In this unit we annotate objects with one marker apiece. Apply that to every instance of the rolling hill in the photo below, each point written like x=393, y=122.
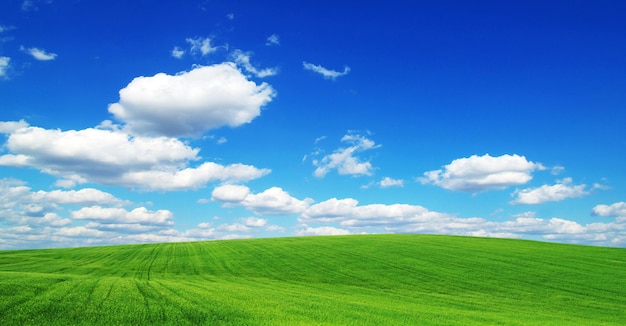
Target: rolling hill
x=344, y=280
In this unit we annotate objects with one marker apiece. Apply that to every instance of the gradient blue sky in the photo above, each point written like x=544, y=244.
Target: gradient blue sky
x=143, y=121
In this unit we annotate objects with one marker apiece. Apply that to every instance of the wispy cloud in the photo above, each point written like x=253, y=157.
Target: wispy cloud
x=327, y=73
x=243, y=59
x=39, y=54
x=5, y=63
x=272, y=40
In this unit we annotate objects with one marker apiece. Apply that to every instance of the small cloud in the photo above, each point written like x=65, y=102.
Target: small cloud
x=230, y=16
x=273, y=40
x=39, y=54
x=327, y=73
x=389, y=182
x=222, y=140
x=556, y=170
x=177, y=52
x=203, y=201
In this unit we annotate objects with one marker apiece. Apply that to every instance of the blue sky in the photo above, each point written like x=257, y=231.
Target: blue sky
x=136, y=121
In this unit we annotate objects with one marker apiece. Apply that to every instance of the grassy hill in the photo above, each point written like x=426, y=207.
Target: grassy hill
x=358, y=280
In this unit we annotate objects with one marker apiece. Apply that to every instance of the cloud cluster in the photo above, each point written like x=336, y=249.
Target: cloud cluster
x=480, y=173
x=108, y=155
x=191, y=102
x=351, y=217
x=345, y=160
x=326, y=73
x=89, y=216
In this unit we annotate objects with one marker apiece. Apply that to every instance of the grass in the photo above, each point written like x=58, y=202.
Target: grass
x=345, y=280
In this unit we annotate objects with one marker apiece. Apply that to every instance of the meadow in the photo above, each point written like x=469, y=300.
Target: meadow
x=342, y=280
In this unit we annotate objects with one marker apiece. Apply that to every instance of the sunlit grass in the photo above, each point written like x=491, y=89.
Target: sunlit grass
x=368, y=279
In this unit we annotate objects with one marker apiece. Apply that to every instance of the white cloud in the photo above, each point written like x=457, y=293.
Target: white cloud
x=191, y=102
x=272, y=201
x=236, y=227
x=201, y=46
x=614, y=210
x=85, y=196
x=322, y=230
x=389, y=182
x=255, y=222
x=4, y=66
x=243, y=59
x=327, y=73
x=479, y=173
x=111, y=156
x=344, y=159
x=177, y=52
x=110, y=215
x=275, y=228
x=560, y=191
x=230, y=194
x=273, y=40
x=40, y=54
x=403, y=218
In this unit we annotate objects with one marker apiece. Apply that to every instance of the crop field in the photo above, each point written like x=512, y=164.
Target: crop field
x=343, y=280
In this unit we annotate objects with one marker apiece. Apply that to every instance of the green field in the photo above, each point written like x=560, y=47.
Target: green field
x=345, y=280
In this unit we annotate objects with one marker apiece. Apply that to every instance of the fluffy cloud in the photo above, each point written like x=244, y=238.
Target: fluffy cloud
x=40, y=54
x=243, y=59
x=327, y=73
x=272, y=201
x=613, y=210
x=110, y=156
x=479, y=173
x=546, y=193
x=112, y=215
x=230, y=194
x=344, y=159
x=4, y=66
x=8, y=127
x=190, y=103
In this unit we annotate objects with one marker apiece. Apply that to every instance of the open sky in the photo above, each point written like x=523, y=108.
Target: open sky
x=156, y=121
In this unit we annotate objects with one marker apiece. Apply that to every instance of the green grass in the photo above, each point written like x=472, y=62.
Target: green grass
x=347, y=280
